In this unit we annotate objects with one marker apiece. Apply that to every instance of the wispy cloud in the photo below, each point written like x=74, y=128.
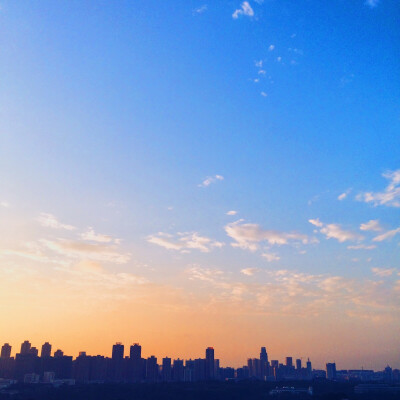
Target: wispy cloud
x=50, y=221
x=231, y=212
x=371, y=225
x=93, y=251
x=271, y=47
x=92, y=236
x=270, y=257
x=383, y=272
x=184, y=242
x=334, y=231
x=343, y=195
x=245, y=9
x=387, y=235
x=249, y=271
x=201, y=9
x=362, y=247
x=372, y=3
x=248, y=236
x=211, y=179
x=4, y=204
x=389, y=197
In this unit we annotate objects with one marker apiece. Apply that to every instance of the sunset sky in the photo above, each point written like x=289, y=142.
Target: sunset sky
x=186, y=174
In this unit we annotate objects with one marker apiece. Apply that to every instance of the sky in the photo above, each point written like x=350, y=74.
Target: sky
x=191, y=174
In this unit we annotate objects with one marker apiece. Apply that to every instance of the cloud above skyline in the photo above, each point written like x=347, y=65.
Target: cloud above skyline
x=211, y=179
x=390, y=197
x=184, y=242
x=245, y=9
x=335, y=231
x=249, y=236
x=50, y=221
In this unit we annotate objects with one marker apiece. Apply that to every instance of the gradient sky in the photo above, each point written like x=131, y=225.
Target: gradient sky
x=191, y=174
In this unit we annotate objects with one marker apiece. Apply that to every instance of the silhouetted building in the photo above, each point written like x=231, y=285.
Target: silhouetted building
x=34, y=351
x=5, y=351
x=151, y=369
x=46, y=350
x=58, y=353
x=166, y=372
x=25, y=347
x=330, y=371
x=264, y=363
x=117, y=363
x=210, y=363
x=199, y=369
x=309, y=366
x=178, y=371
x=298, y=364
x=136, y=364
x=289, y=362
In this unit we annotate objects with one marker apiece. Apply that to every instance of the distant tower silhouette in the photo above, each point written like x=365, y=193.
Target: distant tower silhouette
x=46, y=350
x=210, y=363
x=5, y=351
x=25, y=347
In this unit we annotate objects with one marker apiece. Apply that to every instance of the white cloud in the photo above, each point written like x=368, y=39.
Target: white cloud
x=371, y=225
x=270, y=257
x=389, y=197
x=248, y=236
x=316, y=222
x=4, y=204
x=50, y=221
x=244, y=10
x=249, y=271
x=94, y=251
x=334, y=231
x=362, y=247
x=92, y=236
x=383, y=272
x=271, y=47
x=372, y=3
x=263, y=94
x=201, y=9
x=184, y=242
x=232, y=212
x=386, y=235
x=279, y=59
x=211, y=179
x=344, y=195
x=259, y=64
x=262, y=72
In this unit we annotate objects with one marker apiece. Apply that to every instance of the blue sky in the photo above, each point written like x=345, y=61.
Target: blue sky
x=149, y=121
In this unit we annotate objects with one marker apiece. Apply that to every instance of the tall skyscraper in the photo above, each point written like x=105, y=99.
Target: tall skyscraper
x=263, y=355
x=118, y=351
x=166, y=372
x=309, y=366
x=298, y=364
x=210, y=363
x=46, y=350
x=289, y=361
x=5, y=351
x=151, y=369
x=117, y=373
x=135, y=351
x=330, y=371
x=25, y=347
x=264, y=363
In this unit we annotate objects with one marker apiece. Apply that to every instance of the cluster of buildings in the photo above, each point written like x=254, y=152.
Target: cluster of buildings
x=30, y=367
